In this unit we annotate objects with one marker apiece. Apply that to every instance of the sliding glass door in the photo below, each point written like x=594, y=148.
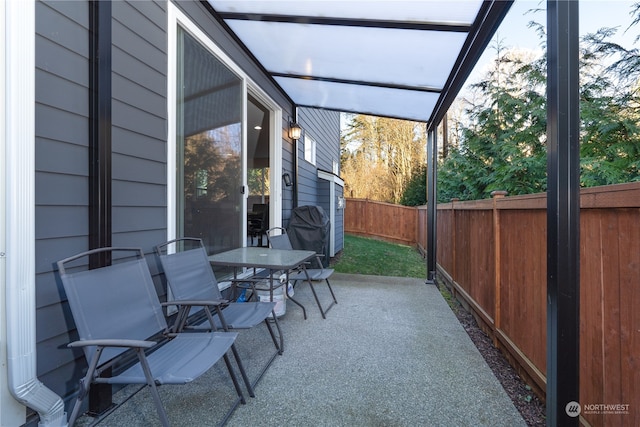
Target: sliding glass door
x=209, y=157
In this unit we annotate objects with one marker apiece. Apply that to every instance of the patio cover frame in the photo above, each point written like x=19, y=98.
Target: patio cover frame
x=563, y=207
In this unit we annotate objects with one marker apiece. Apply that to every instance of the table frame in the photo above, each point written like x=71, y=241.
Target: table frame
x=269, y=259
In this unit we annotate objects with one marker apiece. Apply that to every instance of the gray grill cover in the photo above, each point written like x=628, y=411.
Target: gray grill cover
x=309, y=229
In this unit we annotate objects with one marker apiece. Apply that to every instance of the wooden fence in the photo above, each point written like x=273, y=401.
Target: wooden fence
x=386, y=221
x=492, y=254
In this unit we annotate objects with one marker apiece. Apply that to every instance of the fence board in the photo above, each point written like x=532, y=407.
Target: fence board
x=591, y=295
x=524, y=285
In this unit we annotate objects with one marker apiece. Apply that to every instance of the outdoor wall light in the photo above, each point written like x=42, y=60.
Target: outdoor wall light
x=287, y=179
x=295, y=131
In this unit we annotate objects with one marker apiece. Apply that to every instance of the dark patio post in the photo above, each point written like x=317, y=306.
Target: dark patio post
x=100, y=397
x=432, y=204
x=563, y=214
x=296, y=167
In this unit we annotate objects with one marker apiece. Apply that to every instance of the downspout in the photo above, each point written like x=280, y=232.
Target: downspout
x=18, y=195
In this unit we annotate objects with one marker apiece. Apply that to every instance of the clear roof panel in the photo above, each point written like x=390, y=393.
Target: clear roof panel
x=448, y=11
x=377, y=55
x=377, y=101
x=395, y=58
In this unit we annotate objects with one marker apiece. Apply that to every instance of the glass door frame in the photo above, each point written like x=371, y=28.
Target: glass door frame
x=177, y=17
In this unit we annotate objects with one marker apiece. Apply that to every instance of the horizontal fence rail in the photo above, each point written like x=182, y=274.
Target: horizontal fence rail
x=492, y=255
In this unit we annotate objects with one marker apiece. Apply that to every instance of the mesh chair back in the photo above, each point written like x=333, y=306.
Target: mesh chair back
x=190, y=276
x=280, y=241
x=115, y=301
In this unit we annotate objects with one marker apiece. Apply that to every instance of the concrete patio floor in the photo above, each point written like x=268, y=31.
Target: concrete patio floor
x=390, y=353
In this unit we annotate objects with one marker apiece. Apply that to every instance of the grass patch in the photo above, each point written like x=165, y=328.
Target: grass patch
x=369, y=256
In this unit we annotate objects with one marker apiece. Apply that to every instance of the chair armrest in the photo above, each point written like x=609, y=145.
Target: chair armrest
x=113, y=343
x=247, y=280
x=196, y=302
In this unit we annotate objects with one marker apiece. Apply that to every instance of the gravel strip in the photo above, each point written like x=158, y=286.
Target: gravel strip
x=525, y=400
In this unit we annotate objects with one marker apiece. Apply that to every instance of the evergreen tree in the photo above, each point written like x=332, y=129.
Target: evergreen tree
x=415, y=194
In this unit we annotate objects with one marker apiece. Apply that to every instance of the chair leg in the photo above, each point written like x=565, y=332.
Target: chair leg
x=279, y=346
x=335, y=301
x=85, y=384
x=84, y=389
x=152, y=385
x=317, y=300
x=245, y=378
x=323, y=312
x=234, y=379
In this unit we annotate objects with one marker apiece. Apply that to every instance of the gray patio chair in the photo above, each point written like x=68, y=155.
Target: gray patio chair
x=309, y=275
x=115, y=309
x=189, y=275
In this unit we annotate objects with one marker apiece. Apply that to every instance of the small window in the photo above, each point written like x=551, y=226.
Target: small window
x=310, y=149
x=336, y=168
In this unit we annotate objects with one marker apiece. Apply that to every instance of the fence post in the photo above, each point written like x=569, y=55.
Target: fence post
x=454, y=254
x=496, y=259
x=367, y=229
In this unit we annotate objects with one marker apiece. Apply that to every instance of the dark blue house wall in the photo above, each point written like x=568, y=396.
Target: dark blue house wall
x=138, y=160
x=139, y=136
x=61, y=176
x=324, y=127
x=139, y=123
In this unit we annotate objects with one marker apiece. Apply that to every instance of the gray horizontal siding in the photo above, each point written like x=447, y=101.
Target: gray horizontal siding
x=139, y=194
x=139, y=135
x=137, y=169
x=324, y=127
x=63, y=94
x=55, y=124
x=49, y=251
x=64, y=23
x=135, y=69
x=61, y=157
x=146, y=147
x=61, y=178
x=133, y=219
x=51, y=183
x=61, y=61
x=145, y=99
x=130, y=117
x=60, y=221
x=62, y=130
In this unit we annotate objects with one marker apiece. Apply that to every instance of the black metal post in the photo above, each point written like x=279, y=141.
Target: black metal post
x=563, y=214
x=296, y=169
x=432, y=204
x=100, y=396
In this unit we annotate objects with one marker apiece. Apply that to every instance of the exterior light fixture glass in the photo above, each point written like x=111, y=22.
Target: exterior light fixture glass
x=295, y=131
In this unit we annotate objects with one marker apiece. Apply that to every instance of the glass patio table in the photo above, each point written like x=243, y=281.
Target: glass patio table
x=272, y=260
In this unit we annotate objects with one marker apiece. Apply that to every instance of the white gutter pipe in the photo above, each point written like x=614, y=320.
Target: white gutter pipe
x=19, y=201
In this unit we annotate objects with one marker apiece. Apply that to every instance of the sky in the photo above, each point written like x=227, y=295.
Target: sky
x=594, y=14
